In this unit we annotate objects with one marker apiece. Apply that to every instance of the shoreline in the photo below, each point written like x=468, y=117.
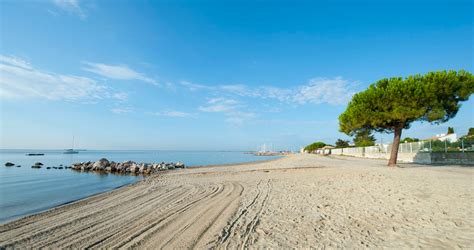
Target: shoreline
x=237, y=164
x=294, y=201
x=125, y=185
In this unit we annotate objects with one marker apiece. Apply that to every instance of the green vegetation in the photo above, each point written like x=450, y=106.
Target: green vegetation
x=314, y=146
x=470, y=132
x=364, y=138
x=409, y=139
x=450, y=130
x=393, y=104
x=442, y=146
x=340, y=143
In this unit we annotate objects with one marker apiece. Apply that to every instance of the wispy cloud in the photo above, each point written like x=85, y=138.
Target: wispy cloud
x=15, y=61
x=230, y=108
x=334, y=91
x=174, y=113
x=117, y=72
x=239, y=118
x=220, y=105
x=19, y=79
x=121, y=110
x=72, y=7
x=194, y=86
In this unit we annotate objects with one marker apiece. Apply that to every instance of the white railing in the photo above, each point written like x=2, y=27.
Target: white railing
x=405, y=150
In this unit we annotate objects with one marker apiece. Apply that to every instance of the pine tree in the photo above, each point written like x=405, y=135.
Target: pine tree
x=393, y=104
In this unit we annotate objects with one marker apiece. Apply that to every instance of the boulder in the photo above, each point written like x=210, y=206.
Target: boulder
x=100, y=165
x=38, y=164
x=77, y=166
x=9, y=164
x=133, y=168
x=18, y=166
x=143, y=167
x=60, y=168
x=48, y=167
x=124, y=167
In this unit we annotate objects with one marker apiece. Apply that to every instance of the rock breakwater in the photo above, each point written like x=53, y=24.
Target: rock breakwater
x=126, y=167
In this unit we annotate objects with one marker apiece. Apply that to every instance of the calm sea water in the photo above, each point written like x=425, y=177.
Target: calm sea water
x=24, y=190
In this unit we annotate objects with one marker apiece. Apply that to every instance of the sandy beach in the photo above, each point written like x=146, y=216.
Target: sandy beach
x=298, y=201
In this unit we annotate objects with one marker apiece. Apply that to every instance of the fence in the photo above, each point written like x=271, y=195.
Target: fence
x=408, y=152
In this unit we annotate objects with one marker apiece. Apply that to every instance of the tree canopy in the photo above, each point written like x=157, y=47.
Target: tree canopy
x=314, y=146
x=340, y=143
x=364, y=138
x=392, y=104
x=450, y=130
x=409, y=139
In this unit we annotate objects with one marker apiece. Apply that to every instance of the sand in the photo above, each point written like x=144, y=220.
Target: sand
x=298, y=201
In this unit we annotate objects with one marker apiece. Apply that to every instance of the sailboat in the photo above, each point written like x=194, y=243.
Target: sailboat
x=71, y=150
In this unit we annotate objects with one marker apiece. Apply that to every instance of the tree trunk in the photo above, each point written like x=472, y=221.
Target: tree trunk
x=396, y=143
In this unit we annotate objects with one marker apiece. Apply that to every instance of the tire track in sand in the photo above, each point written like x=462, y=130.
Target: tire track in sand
x=239, y=232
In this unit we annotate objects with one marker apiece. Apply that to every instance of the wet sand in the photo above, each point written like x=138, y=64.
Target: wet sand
x=297, y=201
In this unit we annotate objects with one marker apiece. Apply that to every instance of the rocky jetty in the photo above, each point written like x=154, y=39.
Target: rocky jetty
x=126, y=167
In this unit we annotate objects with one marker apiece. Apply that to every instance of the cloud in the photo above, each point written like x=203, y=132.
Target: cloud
x=174, y=113
x=121, y=96
x=334, y=91
x=220, y=105
x=193, y=86
x=21, y=80
x=238, y=117
x=72, y=7
x=230, y=109
x=122, y=110
x=15, y=61
x=117, y=72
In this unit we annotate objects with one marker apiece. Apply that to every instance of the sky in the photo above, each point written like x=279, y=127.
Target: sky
x=213, y=75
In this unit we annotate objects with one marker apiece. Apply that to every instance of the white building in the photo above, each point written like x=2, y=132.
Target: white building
x=445, y=137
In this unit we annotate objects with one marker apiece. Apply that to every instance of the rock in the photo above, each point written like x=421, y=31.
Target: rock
x=18, y=166
x=48, y=167
x=55, y=167
x=60, y=165
x=100, y=165
x=143, y=167
x=36, y=166
x=60, y=168
x=124, y=167
x=9, y=164
x=133, y=168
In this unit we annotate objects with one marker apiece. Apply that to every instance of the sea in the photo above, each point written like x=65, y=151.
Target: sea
x=25, y=190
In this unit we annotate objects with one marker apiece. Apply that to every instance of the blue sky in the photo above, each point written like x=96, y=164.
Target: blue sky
x=213, y=75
